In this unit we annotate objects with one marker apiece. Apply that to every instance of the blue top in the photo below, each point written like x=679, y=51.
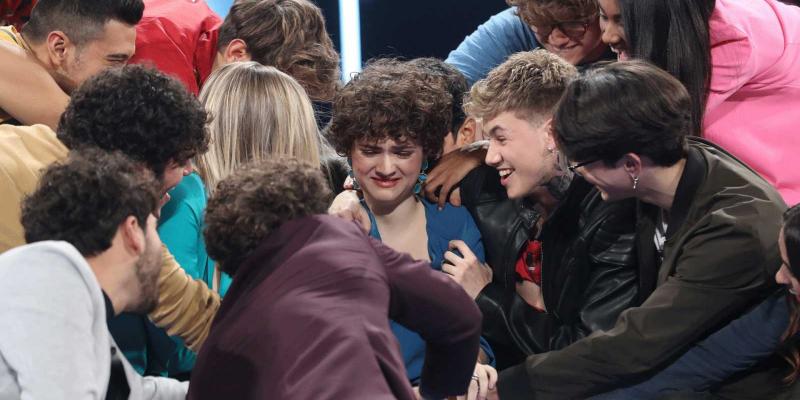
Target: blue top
x=491, y=44
x=451, y=223
x=735, y=347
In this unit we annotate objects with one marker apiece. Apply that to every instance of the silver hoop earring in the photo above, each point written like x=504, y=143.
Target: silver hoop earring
x=635, y=182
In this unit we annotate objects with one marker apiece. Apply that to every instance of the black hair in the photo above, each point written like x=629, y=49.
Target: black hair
x=455, y=83
x=84, y=200
x=81, y=20
x=791, y=238
x=624, y=107
x=674, y=35
x=145, y=114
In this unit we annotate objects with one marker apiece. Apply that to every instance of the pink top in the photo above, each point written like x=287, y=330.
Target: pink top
x=753, y=108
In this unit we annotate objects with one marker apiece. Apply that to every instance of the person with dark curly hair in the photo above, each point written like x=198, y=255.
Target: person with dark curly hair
x=64, y=43
x=306, y=315
x=152, y=119
x=390, y=122
x=567, y=28
x=93, y=253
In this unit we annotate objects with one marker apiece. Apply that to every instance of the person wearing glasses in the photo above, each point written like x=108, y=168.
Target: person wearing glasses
x=705, y=220
x=567, y=28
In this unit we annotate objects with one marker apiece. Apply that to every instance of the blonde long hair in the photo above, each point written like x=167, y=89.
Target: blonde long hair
x=257, y=112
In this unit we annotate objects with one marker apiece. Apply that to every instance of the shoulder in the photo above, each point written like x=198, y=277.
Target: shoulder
x=51, y=270
x=449, y=217
x=189, y=194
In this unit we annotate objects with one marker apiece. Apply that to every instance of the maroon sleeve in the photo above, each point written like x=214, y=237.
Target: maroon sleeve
x=430, y=303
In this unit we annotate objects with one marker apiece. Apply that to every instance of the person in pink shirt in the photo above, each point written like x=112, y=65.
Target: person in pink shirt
x=738, y=59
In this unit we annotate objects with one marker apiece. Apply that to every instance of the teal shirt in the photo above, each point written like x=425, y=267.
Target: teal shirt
x=149, y=349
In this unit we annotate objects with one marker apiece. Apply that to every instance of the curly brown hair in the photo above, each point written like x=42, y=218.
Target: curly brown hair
x=391, y=99
x=255, y=201
x=547, y=12
x=84, y=199
x=289, y=35
x=529, y=83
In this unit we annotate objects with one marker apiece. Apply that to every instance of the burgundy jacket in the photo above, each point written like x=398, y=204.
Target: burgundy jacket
x=307, y=317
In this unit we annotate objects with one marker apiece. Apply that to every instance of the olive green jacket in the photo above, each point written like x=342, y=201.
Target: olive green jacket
x=719, y=258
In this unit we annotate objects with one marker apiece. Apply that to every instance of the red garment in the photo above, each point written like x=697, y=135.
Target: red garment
x=179, y=37
x=16, y=12
x=529, y=263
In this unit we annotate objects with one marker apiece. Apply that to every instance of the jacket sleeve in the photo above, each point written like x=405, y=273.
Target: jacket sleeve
x=720, y=270
x=612, y=283
x=186, y=306
x=433, y=305
x=501, y=36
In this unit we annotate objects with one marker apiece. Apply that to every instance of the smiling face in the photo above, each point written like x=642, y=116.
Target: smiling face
x=113, y=48
x=612, y=28
x=564, y=39
x=613, y=182
x=522, y=152
x=386, y=170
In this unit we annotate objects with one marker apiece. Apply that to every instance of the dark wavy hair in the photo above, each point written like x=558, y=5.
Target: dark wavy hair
x=141, y=112
x=624, y=107
x=81, y=20
x=255, y=201
x=84, y=199
x=674, y=35
x=289, y=35
x=453, y=80
x=391, y=99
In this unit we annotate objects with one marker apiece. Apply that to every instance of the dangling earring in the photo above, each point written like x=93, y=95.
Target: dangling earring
x=635, y=182
x=422, y=177
x=356, y=186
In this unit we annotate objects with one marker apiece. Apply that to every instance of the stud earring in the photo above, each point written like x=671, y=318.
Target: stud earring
x=422, y=177
x=635, y=182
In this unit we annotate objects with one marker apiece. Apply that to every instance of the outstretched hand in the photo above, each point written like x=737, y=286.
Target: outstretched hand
x=443, y=180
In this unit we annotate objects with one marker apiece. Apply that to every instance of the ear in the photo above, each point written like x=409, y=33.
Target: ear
x=132, y=235
x=59, y=47
x=632, y=164
x=466, y=134
x=236, y=50
x=551, y=134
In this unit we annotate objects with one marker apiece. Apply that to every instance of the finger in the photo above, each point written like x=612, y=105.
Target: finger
x=483, y=384
x=455, y=197
x=453, y=258
x=348, y=183
x=492, y=378
x=462, y=247
x=472, y=393
x=449, y=270
x=362, y=218
x=442, y=199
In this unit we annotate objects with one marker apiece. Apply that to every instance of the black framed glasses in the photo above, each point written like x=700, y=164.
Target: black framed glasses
x=572, y=29
x=574, y=167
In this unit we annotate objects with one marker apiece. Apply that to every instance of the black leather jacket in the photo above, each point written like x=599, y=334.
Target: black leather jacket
x=589, y=269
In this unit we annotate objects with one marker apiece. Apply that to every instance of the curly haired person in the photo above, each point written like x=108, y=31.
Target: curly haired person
x=305, y=317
